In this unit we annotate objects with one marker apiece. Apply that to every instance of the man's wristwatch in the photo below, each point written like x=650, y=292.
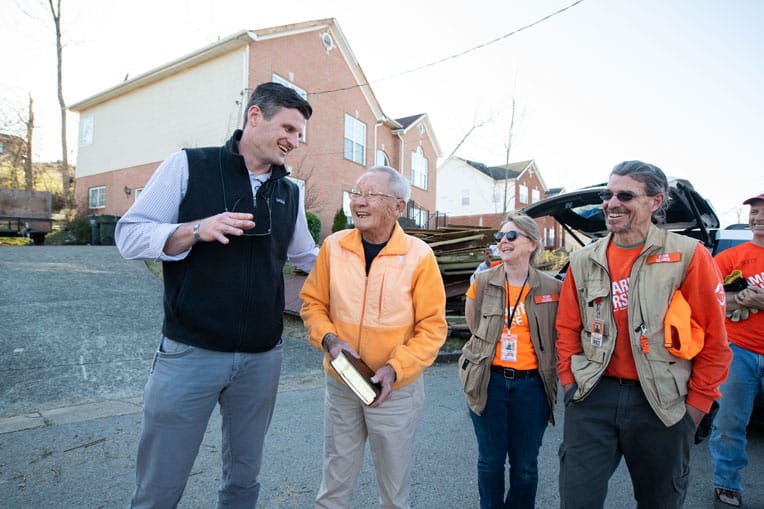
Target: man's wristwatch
x=324, y=345
x=197, y=237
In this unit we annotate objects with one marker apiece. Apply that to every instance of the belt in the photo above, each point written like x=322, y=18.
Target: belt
x=512, y=373
x=623, y=381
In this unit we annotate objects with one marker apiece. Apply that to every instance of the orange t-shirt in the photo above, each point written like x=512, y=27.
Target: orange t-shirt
x=515, y=343
x=749, y=259
x=619, y=262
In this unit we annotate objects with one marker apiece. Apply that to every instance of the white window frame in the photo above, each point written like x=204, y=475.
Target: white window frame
x=523, y=193
x=419, y=169
x=535, y=195
x=465, y=197
x=346, y=206
x=97, y=197
x=354, y=145
x=382, y=159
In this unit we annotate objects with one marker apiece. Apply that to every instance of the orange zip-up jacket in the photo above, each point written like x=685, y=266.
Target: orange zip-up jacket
x=395, y=315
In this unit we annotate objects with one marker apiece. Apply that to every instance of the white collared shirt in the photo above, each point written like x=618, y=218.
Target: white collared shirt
x=142, y=232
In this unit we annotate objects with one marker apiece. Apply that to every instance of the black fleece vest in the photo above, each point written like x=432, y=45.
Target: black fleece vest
x=231, y=297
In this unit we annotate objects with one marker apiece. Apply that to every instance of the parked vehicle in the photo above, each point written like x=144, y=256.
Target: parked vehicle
x=25, y=214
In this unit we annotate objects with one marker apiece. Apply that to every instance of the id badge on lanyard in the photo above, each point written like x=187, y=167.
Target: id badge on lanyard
x=509, y=347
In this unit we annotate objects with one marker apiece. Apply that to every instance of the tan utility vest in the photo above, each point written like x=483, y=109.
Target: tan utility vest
x=490, y=317
x=658, y=271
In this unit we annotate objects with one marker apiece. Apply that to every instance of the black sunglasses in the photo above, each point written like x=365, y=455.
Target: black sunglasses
x=511, y=235
x=621, y=195
x=238, y=206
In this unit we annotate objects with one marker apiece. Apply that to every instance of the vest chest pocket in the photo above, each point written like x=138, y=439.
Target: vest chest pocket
x=595, y=307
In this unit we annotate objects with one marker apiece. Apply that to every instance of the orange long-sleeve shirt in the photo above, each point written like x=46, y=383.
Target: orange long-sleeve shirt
x=700, y=288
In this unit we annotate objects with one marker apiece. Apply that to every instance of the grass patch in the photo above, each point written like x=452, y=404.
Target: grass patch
x=14, y=241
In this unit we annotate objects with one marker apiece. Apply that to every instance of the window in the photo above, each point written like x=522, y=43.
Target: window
x=346, y=206
x=355, y=140
x=382, y=159
x=418, y=169
x=86, y=131
x=550, y=238
x=535, y=195
x=465, y=197
x=97, y=197
x=523, y=193
x=418, y=215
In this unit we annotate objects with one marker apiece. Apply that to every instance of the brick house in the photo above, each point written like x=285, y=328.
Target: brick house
x=199, y=99
x=473, y=194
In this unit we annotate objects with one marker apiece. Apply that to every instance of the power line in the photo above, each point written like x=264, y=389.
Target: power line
x=456, y=55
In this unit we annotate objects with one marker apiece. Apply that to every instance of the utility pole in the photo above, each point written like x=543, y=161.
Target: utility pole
x=28, y=174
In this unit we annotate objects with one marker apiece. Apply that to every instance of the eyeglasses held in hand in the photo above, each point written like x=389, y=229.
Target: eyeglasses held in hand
x=238, y=206
x=621, y=195
x=511, y=235
x=368, y=195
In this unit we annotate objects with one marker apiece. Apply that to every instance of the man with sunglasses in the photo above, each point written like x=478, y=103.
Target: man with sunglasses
x=629, y=389
x=223, y=220
x=375, y=293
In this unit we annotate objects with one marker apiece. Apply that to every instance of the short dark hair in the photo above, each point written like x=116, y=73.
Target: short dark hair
x=271, y=97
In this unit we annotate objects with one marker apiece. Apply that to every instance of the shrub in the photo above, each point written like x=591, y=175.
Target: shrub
x=340, y=221
x=79, y=227
x=314, y=226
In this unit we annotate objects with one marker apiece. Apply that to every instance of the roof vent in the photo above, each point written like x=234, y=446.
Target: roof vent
x=327, y=40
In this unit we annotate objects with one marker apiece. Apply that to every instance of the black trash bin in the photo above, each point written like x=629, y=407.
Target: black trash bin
x=95, y=230
x=107, y=225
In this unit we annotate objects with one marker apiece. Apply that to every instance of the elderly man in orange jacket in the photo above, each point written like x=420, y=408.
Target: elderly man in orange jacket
x=374, y=293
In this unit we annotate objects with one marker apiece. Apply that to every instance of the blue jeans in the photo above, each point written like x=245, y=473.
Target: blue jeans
x=512, y=425
x=185, y=384
x=728, y=440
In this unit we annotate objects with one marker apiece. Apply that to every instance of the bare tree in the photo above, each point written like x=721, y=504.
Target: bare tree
x=67, y=180
x=16, y=132
x=476, y=124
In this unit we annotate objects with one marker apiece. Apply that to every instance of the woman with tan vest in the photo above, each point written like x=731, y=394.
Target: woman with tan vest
x=508, y=367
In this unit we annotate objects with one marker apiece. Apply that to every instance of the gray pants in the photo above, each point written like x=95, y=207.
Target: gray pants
x=616, y=420
x=185, y=384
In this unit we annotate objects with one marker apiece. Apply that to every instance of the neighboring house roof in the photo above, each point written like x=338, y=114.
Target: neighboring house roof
x=246, y=37
x=554, y=191
x=407, y=123
x=505, y=171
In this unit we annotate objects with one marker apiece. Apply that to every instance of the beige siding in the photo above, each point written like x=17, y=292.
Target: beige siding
x=198, y=106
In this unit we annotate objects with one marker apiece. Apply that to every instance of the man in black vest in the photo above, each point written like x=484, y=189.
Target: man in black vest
x=223, y=220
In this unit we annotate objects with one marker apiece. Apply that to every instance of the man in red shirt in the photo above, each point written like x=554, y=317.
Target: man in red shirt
x=626, y=394
x=745, y=331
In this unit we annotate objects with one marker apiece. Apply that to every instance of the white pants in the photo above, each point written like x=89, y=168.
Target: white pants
x=390, y=428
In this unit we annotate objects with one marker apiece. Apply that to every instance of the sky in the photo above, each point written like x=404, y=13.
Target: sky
x=672, y=82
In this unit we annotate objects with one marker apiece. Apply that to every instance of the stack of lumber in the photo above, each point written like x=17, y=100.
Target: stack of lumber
x=458, y=250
